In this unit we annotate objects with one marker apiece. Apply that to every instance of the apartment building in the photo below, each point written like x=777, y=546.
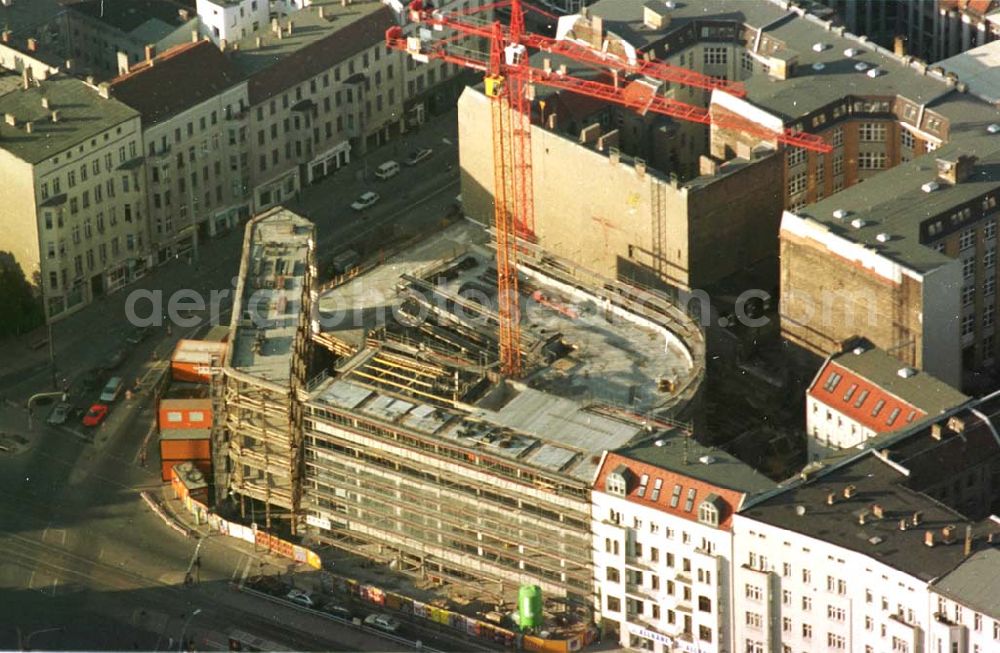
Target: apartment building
x=323, y=88
x=966, y=615
x=928, y=29
x=74, y=188
x=193, y=105
x=843, y=558
x=105, y=38
x=232, y=20
x=864, y=392
x=663, y=546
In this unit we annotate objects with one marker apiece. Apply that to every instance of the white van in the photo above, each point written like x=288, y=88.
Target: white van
x=387, y=170
x=112, y=389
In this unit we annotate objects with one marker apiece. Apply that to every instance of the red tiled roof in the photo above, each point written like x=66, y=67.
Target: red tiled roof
x=730, y=499
x=851, y=386
x=178, y=79
x=321, y=55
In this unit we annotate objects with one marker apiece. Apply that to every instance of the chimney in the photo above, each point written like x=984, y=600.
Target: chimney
x=260, y=42
x=547, y=65
x=655, y=18
x=968, y=541
x=918, y=517
x=955, y=171
x=26, y=78
x=936, y=431
x=32, y=45
x=551, y=120
x=902, y=524
x=708, y=167
x=831, y=498
x=55, y=116
x=104, y=90
x=184, y=14
x=5, y=36
x=849, y=491
x=194, y=36
x=29, y=127
x=10, y=119
x=862, y=517
x=948, y=534
x=275, y=27
x=68, y=65
x=122, y=62
x=322, y=12
x=956, y=424
x=929, y=538
x=90, y=79
x=150, y=52
x=281, y=34
x=562, y=69
x=223, y=44
x=640, y=167
x=899, y=46
x=614, y=156
x=291, y=26
x=45, y=103
x=596, y=32
x=877, y=510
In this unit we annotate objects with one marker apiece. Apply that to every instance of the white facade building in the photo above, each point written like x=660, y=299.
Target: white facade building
x=966, y=605
x=663, y=543
x=864, y=392
x=232, y=20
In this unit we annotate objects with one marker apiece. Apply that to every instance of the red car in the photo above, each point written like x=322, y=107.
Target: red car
x=95, y=415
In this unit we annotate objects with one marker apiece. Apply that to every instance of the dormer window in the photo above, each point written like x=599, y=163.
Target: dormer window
x=617, y=481
x=709, y=509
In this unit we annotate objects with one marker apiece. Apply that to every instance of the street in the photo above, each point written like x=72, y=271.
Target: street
x=86, y=564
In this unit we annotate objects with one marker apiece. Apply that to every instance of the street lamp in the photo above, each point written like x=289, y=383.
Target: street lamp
x=187, y=622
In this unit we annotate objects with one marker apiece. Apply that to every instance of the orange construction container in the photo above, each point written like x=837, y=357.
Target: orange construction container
x=185, y=450
x=193, y=360
x=185, y=414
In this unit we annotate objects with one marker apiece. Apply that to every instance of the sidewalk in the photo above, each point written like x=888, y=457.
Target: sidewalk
x=88, y=337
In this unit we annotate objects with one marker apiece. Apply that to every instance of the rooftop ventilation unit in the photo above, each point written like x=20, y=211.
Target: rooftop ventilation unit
x=861, y=66
x=858, y=351
x=858, y=223
x=930, y=187
x=670, y=4
x=660, y=442
x=818, y=66
x=800, y=510
x=993, y=128
x=883, y=237
x=819, y=47
x=852, y=52
x=706, y=460
x=840, y=214
x=875, y=72
x=906, y=372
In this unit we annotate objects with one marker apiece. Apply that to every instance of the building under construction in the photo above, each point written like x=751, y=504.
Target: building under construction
x=265, y=365
x=420, y=455
x=403, y=443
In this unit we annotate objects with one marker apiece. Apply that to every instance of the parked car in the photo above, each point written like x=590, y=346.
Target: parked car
x=339, y=611
x=138, y=335
x=387, y=170
x=59, y=413
x=112, y=389
x=417, y=156
x=96, y=415
x=366, y=200
x=383, y=622
x=92, y=380
x=117, y=358
x=301, y=597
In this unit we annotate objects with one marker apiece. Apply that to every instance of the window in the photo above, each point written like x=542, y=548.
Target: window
x=753, y=619
x=836, y=641
x=906, y=138
x=786, y=597
x=614, y=575
x=899, y=645
x=968, y=294
x=893, y=416
x=832, y=381
x=806, y=576
x=835, y=613
x=675, y=497
x=657, y=486
x=807, y=603
x=990, y=229
x=969, y=267
x=879, y=405
x=967, y=239
x=872, y=132
x=807, y=631
x=796, y=156
x=716, y=56
x=968, y=324
x=753, y=646
x=708, y=513
x=871, y=160
x=614, y=604
x=616, y=484
x=989, y=285
x=990, y=256
x=704, y=604
x=689, y=502
x=641, y=492
x=989, y=315
x=797, y=183
x=837, y=137
x=752, y=592
x=838, y=165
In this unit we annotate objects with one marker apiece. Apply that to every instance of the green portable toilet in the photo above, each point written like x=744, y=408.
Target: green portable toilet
x=529, y=606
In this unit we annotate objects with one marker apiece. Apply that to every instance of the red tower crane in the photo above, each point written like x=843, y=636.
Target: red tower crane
x=508, y=81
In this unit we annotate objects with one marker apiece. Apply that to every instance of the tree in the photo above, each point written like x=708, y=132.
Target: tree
x=20, y=308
